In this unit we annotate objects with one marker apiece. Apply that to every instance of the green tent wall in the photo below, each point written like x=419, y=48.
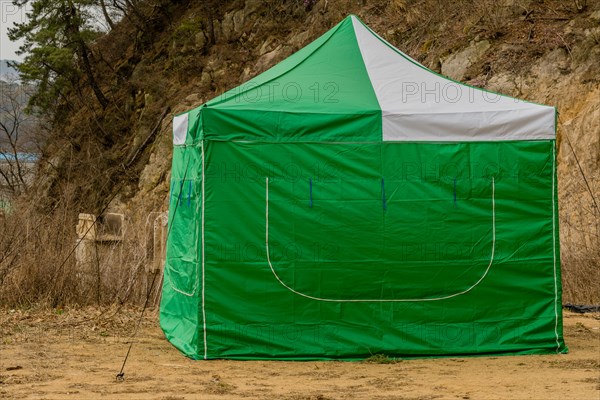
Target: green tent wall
x=350, y=202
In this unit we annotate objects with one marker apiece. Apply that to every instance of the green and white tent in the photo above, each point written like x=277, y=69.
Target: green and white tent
x=350, y=202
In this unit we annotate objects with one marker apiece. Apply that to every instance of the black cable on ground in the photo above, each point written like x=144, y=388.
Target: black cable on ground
x=121, y=375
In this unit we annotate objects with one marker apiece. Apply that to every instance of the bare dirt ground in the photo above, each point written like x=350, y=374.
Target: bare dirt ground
x=75, y=354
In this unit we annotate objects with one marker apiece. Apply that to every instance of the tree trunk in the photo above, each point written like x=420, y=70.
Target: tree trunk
x=82, y=52
x=106, y=15
x=207, y=9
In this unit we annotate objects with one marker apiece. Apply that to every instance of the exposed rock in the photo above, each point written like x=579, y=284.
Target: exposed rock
x=517, y=7
x=591, y=73
x=269, y=45
x=233, y=25
x=205, y=79
x=239, y=17
x=252, y=6
x=267, y=60
x=503, y=83
x=200, y=41
x=552, y=64
x=300, y=40
x=152, y=173
x=218, y=30
x=194, y=100
x=227, y=27
x=246, y=74
x=455, y=66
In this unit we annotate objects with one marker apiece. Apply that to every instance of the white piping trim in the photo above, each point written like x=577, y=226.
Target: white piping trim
x=202, y=211
x=181, y=291
x=554, y=250
x=379, y=300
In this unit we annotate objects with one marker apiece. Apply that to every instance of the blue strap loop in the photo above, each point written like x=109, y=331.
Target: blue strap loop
x=383, y=199
x=454, y=192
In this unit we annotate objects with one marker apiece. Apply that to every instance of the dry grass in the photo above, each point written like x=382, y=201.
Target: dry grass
x=581, y=278
x=38, y=263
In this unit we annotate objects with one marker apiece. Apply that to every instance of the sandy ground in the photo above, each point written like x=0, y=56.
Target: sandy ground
x=75, y=354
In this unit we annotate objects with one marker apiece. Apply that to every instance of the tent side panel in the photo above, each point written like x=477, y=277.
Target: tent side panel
x=325, y=251
x=180, y=310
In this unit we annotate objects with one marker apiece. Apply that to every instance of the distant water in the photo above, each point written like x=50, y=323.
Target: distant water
x=24, y=157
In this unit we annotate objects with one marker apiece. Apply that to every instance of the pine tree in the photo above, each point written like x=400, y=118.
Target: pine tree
x=58, y=58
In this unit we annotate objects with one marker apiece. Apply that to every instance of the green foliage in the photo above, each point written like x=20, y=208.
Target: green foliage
x=188, y=28
x=55, y=44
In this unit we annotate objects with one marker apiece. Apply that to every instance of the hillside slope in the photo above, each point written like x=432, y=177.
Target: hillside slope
x=547, y=51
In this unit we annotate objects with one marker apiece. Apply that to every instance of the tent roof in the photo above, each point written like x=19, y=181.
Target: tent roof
x=352, y=85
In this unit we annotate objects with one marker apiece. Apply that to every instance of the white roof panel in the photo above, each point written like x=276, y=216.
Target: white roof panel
x=420, y=105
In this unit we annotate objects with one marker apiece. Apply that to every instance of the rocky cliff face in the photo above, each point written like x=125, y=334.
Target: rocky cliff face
x=542, y=51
